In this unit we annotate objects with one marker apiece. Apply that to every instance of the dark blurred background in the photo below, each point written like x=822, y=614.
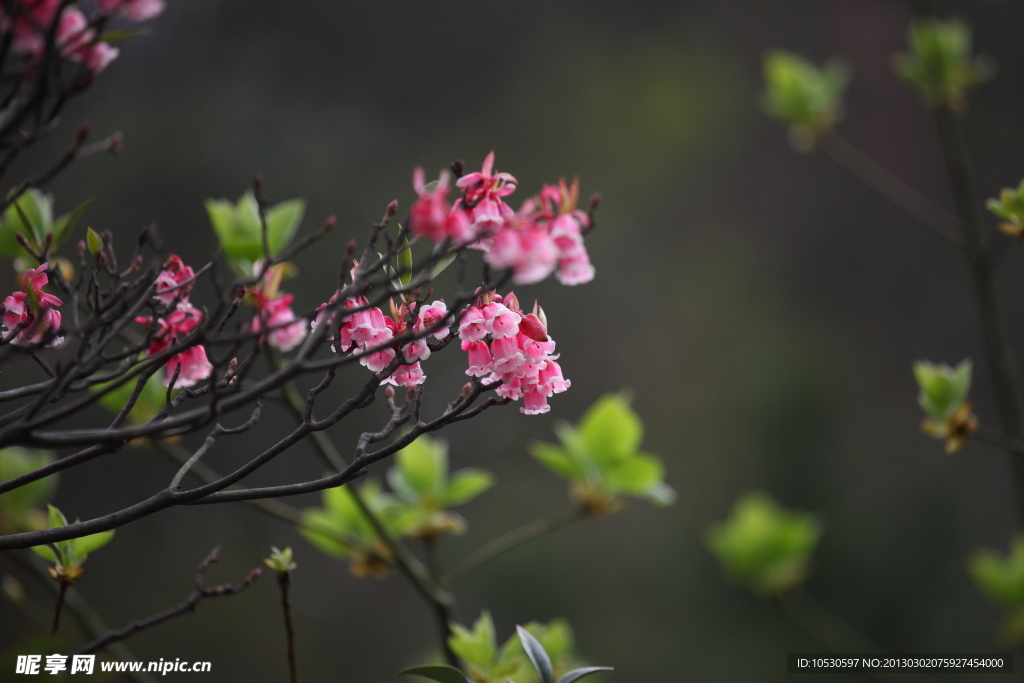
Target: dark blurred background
x=763, y=307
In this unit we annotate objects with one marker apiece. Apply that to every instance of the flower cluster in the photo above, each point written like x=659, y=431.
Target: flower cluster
x=368, y=331
x=544, y=236
x=32, y=312
x=511, y=347
x=178, y=322
x=274, y=311
x=74, y=37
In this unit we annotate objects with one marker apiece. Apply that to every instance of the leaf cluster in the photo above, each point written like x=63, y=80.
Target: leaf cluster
x=601, y=457
x=1002, y=580
x=240, y=230
x=939, y=63
x=803, y=95
x=69, y=556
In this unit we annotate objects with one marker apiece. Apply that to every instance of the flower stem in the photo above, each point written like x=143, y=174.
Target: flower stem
x=284, y=580
x=56, y=609
x=997, y=347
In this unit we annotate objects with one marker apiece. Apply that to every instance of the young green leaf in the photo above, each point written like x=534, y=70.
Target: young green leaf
x=282, y=222
x=556, y=460
x=538, y=657
x=467, y=484
x=93, y=241
x=611, y=430
x=88, y=544
x=577, y=674
x=45, y=552
x=64, y=225
x=404, y=263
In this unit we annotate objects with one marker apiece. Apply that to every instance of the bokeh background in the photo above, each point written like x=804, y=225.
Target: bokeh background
x=762, y=306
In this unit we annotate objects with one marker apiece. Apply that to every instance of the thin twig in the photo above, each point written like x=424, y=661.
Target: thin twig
x=200, y=593
x=513, y=539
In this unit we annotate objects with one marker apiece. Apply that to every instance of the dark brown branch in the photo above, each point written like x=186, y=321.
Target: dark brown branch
x=200, y=593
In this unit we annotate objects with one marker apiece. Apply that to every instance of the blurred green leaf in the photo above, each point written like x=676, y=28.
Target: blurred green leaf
x=556, y=460
x=476, y=647
x=441, y=674
x=610, y=430
x=17, y=507
x=64, y=225
x=1001, y=578
x=805, y=96
x=467, y=484
x=763, y=546
x=404, y=263
x=423, y=465
x=577, y=674
x=943, y=389
x=282, y=222
x=151, y=399
x=939, y=63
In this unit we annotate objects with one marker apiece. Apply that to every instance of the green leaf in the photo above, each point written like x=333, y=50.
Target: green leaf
x=443, y=263
x=424, y=466
x=17, y=506
x=150, y=401
x=939, y=62
x=611, y=430
x=577, y=674
x=538, y=657
x=661, y=494
x=439, y=673
x=634, y=476
x=45, y=552
x=763, y=546
x=556, y=460
x=88, y=544
x=57, y=518
x=404, y=263
x=943, y=389
x=805, y=96
x=282, y=222
x=467, y=484
x=237, y=227
x=63, y=226
x=93, y=241
x=116, y=35
x=321, y=529
x=1002, y=579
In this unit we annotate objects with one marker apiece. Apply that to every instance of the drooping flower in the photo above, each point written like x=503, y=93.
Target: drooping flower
x=98, y=57
x=180, y=322
x=133, y=10
x=431, y=215
x=511, y=350
x=169, y=282
x=73, y=32
x=33, y=312
x=407, y=376
x=482, y=201
x=286, y=332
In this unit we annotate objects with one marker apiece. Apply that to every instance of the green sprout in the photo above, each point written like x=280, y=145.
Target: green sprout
x=944, y=400
x=1010, y=208
x=1002, y=580
x=939, y=63
x=602, y=460
x=280, y=560
x=69, y=556
x=806, y=97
